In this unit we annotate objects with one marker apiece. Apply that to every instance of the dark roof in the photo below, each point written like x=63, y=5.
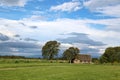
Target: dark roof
x=83, y=57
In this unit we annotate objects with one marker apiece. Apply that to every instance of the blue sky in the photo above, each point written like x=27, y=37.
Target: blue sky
x=91, y=25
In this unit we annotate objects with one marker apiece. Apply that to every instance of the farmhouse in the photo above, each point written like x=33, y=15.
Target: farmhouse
x=82, y=58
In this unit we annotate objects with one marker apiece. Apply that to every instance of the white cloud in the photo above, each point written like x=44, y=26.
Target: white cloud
x=95, y=4
x=111, y=11
x=111, y=24
x=34, y=18
x=19, y=3
x=65, y=46
x=68, y=6
x=106, y=7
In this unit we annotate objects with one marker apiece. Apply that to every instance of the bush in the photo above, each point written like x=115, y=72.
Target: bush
x=16, y=61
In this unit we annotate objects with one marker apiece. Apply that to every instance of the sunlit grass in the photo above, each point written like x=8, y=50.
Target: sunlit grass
x=58, y=71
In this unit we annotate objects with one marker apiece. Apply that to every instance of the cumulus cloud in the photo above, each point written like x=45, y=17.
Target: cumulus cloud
x=106, y=7
x=68, y=6
x=107, y=11
x=21, y=48
x=20, y=3
x=95, y=4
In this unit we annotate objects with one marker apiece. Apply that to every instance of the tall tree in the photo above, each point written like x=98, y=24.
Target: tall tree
x=70, y=53
x=50, y=49
x=111, y=55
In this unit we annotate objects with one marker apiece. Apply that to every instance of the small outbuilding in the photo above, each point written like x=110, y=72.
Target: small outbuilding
x=82, y=58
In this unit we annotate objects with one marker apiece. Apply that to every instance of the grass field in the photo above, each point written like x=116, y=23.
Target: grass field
x=58, y=71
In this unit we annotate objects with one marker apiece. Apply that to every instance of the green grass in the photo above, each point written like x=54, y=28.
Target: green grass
x=58, y=71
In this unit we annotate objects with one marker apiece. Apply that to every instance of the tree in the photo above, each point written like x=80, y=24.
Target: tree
x=111, y=55
x=103, y=59
x=95, y=60
x=117, y=57
x=50, y=49
x=70, y=53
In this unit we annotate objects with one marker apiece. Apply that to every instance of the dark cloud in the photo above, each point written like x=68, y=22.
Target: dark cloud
x=29, y=39
x=80, y=38
x=29, y=52
x=3, y=37
x=5, y=49
x=33, y=27
x=22, y=23
x=18, y=45
x=93, y=52
x=17, y=35
x=20, y=48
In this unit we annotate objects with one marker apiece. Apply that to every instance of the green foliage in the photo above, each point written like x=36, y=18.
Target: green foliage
x=16, y=61
x=50, y=49
x=70, y=53
x=95, y=60
x=103, y=59
x=111, y=55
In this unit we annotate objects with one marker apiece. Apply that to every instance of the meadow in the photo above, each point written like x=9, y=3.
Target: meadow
x=43, y=70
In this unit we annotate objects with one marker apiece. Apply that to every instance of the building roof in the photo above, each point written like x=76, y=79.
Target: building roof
x=83, y=57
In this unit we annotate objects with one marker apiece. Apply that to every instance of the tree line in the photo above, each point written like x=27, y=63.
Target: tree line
x=12, y=57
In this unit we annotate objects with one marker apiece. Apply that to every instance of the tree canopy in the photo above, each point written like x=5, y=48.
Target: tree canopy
x=50, y=49
x=111, y=54
x=70, y=53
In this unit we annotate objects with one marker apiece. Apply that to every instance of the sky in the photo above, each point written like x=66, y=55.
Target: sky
x=90, y=25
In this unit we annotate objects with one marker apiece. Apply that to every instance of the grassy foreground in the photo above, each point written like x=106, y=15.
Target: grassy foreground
x=58, y=71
